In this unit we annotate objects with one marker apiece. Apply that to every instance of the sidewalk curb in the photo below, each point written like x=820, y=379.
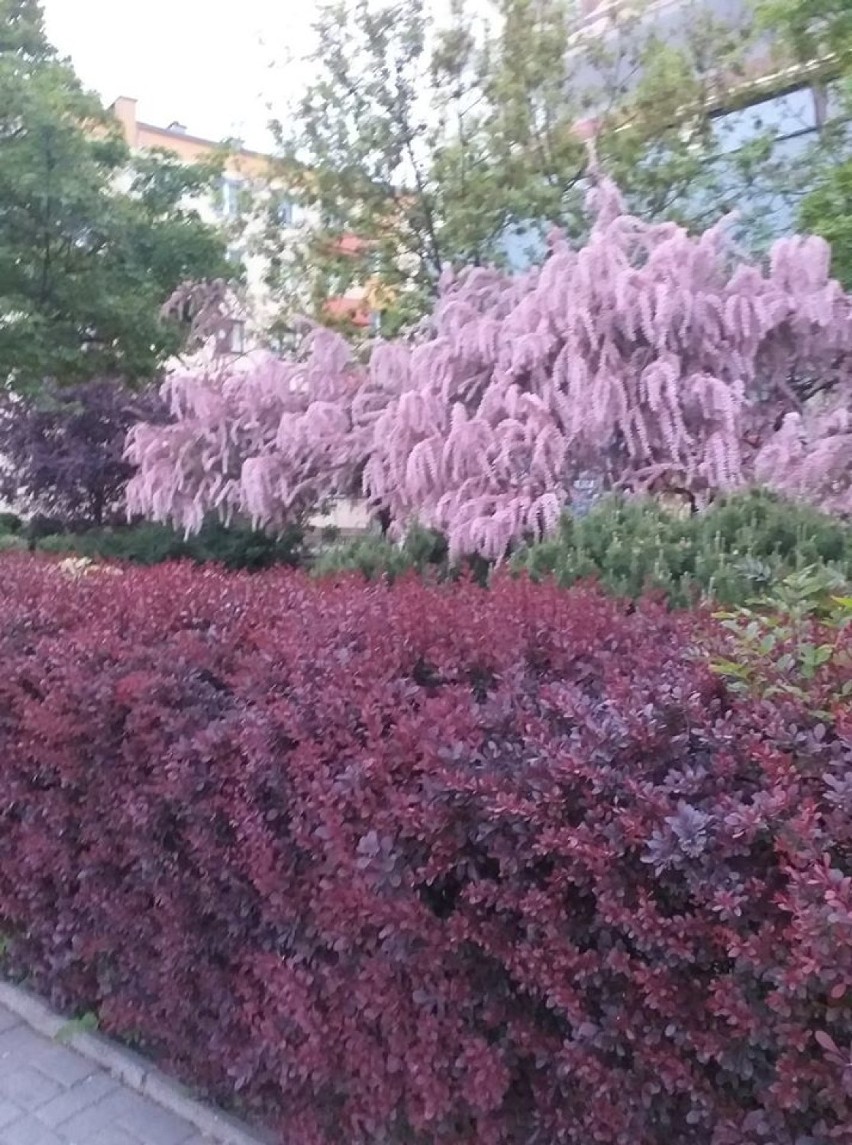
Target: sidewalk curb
x=133, y=1071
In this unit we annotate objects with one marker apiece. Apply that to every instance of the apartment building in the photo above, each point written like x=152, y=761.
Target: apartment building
x=768, y=96
x=248, y=177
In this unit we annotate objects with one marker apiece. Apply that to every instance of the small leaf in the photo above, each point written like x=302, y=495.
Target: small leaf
x=82, y=1025
x=826, y=1042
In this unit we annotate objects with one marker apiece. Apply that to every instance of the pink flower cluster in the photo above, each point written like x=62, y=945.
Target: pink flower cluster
x=649, y=358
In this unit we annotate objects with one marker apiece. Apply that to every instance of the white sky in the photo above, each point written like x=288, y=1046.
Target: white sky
x=185, y=62
x=204, y=64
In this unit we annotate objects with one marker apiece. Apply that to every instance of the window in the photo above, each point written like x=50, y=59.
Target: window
x=284, y=213
x=238, y=337
x=231, y=198
x=790, y=115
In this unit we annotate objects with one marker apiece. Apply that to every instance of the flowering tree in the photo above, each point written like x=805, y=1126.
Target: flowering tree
x=255, y=436
x=650, y=358
x=205, y=310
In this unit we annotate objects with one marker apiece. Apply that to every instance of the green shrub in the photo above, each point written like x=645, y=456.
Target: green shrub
x=10, y=523
x=737, y=549
x=779, y=644
x=374, y=557
x=235, y=546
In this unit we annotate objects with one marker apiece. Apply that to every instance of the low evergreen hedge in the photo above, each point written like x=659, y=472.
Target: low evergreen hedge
x=374, y=557
x=739, y=547
x=236, y=546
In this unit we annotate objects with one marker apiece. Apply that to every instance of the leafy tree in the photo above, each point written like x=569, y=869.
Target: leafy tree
x=84, y=264
x=814, y=29
x=826, y=211
x=446, y=145
x=647, y=361
x=822, y=29
x=62, y=457
x=261, y=462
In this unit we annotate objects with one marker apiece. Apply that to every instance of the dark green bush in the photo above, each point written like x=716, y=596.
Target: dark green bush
x=10, y=523
x=373, y=557
x=236, y=546
x=739, y=547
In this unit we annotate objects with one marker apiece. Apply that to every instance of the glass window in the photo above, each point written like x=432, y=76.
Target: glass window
x=230, y=204
x=779, y=116
x=284, y=212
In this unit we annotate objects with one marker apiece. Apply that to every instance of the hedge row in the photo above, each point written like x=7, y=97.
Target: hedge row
x=738, y=548
x=413, y=864
x=236, y=547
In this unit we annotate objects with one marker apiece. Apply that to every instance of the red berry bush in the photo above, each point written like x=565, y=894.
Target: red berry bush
x=421, y=864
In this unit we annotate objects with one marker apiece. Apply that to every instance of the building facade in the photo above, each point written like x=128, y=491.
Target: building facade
x=762, y=97
x=249, y=179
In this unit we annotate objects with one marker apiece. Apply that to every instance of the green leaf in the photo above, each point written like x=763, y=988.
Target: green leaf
x=730, y=668
x=86, y=1023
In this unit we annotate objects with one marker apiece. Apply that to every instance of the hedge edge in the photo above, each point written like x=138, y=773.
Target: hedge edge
x=132, y=1070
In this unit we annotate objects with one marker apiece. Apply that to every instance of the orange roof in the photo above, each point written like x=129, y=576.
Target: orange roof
x=353, y=310
x=191, y=148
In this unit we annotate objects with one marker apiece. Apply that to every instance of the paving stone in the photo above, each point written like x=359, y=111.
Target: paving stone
x=63, y=1065
x=29, y=1130
x=19, y=1043
x=149, y=1122
x=114, y=1136
x=87, y=1123
x=9, y=1112
x=122, y=1111
x=8, y=1020
x=26, y=1087
x=80, y=1097
x=52, y=1095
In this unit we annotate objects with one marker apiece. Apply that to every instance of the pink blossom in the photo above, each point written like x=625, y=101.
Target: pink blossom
x=649, y=358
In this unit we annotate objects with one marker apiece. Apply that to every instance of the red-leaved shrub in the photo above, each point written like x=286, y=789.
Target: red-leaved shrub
x=421, y=864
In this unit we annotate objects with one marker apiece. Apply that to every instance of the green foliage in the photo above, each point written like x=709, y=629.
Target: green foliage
x=450, y=143
x=235, y=546
x=813, y=28
x=87, y=1023
x=738, y=548
x=373, y=557
x=779, y=643
x=827, y=211
x=84, y=266
x=10, y=533
x=822, y=30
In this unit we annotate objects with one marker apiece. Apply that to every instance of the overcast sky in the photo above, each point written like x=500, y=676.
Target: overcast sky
x=203, y=64
x=183, y=62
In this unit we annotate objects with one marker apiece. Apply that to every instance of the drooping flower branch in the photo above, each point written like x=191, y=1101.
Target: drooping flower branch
x=649, y=358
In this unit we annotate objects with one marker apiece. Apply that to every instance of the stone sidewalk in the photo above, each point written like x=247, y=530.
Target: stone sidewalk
x=52, y=1095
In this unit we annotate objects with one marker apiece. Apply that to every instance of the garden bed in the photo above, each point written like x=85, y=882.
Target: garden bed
x=431, y=864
